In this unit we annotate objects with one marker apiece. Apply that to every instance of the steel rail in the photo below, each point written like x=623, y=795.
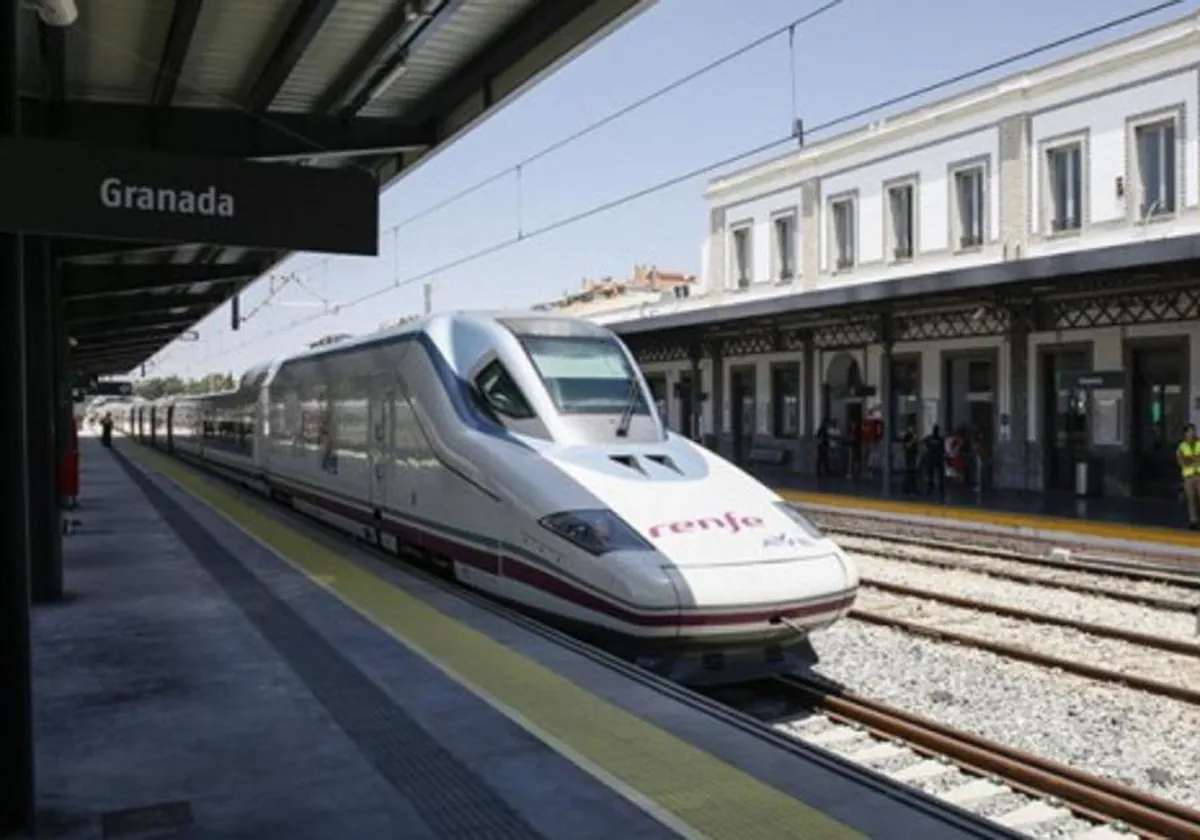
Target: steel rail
x=1091, y=628
x=1174, y=568
x=1175, y=692
x=1155, y=601
x=1082, y=793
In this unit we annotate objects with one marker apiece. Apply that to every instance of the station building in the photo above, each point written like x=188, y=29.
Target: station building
x=1020, y=262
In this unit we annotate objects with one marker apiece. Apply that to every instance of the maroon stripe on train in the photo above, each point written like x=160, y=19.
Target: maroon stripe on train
x=534, y=577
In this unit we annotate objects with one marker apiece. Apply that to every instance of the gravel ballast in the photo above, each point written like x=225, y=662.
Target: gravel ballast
x=1063, y=642
x=1035, y=598
x=1130, y=736
x=1050, y=574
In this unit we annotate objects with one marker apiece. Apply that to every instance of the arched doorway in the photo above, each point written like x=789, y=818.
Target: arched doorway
x=843, y=406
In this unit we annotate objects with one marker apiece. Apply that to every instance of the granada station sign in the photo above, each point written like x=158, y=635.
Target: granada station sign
x=77, y=190
x=117, y=195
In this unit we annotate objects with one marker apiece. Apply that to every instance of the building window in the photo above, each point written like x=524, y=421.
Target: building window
x=843, y=233
x=1156, y=167
x=900, y=221
x=785, y=246
x=969, y=197
x=1065, y=168
x=743, y=268
x=785, y=401
x=979, y=377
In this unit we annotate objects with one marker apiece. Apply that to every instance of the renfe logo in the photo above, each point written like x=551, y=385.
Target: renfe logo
x=730, y=522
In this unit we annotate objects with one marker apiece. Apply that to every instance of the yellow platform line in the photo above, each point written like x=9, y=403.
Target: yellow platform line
x=687, y=788
x=1035, y=521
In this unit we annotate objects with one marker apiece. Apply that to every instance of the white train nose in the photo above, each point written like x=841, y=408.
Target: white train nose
x=849, y=570
x=763, y=584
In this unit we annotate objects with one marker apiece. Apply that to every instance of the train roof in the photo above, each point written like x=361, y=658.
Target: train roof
x=518, y=320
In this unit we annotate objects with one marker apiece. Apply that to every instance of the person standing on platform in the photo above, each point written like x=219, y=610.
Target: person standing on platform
x=823, y=449
x=1188, y=458
x=912, y=452
x=935, y=460
x=106, y=427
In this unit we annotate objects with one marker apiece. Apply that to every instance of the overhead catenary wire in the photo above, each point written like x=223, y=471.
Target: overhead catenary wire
x=613, y=116
x=518, y=168
x=987, y=68
x=731, y=160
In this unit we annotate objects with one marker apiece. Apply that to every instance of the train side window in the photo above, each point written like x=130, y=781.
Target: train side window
x=501, y=393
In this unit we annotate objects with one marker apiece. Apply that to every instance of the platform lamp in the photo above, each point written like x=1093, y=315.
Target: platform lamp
x=55, y=12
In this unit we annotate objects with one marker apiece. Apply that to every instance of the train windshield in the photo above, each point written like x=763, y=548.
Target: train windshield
x=586, y=375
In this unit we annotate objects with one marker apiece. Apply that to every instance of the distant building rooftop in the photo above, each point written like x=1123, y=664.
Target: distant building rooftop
x=648, y=283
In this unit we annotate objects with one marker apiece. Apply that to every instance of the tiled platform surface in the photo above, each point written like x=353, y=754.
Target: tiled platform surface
x=193, y=684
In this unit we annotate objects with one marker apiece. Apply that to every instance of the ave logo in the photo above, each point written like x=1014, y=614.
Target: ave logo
x=729, y=522
x=782, y=540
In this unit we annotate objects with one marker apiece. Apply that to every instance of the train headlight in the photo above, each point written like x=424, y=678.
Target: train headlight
x=595, y=531
x=802, y=522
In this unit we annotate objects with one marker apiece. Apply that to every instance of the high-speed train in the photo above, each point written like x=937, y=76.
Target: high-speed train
x=522, y=452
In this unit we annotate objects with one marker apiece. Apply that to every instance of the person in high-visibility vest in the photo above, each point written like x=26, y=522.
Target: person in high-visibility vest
x=1188, y=458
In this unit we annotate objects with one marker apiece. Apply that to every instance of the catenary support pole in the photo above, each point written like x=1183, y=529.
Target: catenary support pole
x=887, y=392
x=16, y=716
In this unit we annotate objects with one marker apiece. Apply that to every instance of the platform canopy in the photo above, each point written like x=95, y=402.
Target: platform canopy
x=379, y=84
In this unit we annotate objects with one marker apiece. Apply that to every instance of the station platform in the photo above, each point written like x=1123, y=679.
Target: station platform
x=1102, y=522
x=222, y=668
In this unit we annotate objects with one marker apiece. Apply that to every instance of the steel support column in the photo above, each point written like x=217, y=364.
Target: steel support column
x=16, y=713
x=694, y=432
x=887, y=336
x=60, y=349
x=1011, y=467
x=716, y=393
x=41, y=408
x=808, y=402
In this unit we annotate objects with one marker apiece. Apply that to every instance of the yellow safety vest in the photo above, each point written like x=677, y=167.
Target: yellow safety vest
x=1189, y=450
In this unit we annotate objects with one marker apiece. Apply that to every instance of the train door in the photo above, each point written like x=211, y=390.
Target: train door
x=1159, y=414
x=380, y=405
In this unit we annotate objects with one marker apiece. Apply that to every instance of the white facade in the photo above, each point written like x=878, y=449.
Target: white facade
x=1102, y=104
x=1093, y=151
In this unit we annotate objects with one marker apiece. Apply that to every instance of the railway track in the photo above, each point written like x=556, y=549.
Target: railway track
x=1134, y=660
x=1146, y=563
x=1017, y=789
x=1144, y=590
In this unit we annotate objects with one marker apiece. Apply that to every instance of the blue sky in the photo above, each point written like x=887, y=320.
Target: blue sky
x=859, y=53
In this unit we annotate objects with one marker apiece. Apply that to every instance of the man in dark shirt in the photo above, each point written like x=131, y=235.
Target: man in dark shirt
x=912, y=453
x=935, y=454
x=823, y=448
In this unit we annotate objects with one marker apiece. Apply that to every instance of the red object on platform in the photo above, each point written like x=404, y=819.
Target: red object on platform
x=69, y=477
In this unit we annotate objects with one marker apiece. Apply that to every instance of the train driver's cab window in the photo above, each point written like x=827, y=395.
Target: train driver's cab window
x=501, y=394
x=586, y=375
